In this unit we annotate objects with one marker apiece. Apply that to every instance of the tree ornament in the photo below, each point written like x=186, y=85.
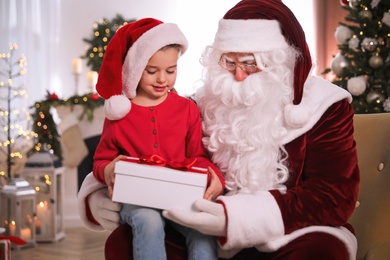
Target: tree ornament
x=353, y=43
x=338, y=64
x=375, y=98
x=386, y=19
x=369, y=44
x=365, y=14
x=354, y=3
x=357, y=85
x=387, y=60
x=375, y=61
x=342, y=34
x=374, y=3
x=386, y=105
x=53, y=97
x=344, y=2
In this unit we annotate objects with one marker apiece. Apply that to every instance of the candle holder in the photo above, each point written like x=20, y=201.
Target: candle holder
x=47, y=181
x=17, y=203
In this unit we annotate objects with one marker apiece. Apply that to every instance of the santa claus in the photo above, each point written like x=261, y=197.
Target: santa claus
x=282, y=137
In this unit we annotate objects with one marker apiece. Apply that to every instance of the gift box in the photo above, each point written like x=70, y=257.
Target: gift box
x=158, y=185
x=5, y=249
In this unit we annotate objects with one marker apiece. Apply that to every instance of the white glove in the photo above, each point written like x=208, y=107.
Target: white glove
x=208, y=219
x=104, y=210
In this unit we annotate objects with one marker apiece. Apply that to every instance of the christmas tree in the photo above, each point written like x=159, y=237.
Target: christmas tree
x=102, y=34
x=16, y=140
x=362, y=65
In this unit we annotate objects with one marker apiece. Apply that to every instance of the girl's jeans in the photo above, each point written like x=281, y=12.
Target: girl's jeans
x=148, y=235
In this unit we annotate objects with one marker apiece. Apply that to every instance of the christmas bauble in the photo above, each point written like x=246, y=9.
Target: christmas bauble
x=386, y=105
x=342, y=34
x=353, y=43
x=369, y=44
x=356, y=85
x=338, y=64
x=354, y=3
x=375, y=61
x=344, y=2
x=375, y=98
x=365, y=14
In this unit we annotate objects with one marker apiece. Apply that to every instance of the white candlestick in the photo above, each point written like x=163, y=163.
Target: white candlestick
x=92, y=77
x=76, y=66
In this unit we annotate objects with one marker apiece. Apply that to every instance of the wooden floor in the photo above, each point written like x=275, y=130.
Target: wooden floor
x=78, y=244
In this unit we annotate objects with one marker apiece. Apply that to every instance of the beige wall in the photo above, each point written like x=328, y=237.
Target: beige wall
x=327, y=15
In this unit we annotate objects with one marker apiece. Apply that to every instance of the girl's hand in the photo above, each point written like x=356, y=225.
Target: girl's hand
x=109, y=174
x=215, y=188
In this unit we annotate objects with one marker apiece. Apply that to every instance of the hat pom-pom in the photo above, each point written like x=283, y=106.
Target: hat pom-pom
x=296, y=115
x=117, y=107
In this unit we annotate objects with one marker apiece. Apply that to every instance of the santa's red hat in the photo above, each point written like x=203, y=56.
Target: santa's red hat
x=126, y=57
x=262, y=26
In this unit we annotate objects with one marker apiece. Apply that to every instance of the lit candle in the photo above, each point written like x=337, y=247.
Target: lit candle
x=42, y=211
x=76, y=66
x=12, y=228
x=92, y=77
x=25, y=233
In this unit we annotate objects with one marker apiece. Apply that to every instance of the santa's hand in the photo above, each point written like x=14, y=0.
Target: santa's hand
x=104, y=210
x=209, y=217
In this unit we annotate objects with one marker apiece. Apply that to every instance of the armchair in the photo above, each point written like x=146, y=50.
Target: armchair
x=371, y=218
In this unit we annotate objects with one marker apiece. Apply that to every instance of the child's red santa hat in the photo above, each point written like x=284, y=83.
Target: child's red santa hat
x=262, y=26
x=126, y=57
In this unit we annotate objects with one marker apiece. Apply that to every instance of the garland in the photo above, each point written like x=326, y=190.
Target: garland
x=44, y=127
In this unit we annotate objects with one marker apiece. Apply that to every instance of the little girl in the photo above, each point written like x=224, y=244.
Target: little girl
x=150, y=118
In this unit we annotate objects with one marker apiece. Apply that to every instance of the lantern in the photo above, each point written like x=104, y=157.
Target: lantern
x=47, y=180
x=17, y=202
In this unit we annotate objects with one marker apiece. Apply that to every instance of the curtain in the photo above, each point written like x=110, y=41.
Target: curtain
x=33, y=26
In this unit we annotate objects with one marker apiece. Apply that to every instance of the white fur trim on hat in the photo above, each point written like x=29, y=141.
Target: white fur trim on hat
x=143, y=49
x=255, y=35
x=116, y=107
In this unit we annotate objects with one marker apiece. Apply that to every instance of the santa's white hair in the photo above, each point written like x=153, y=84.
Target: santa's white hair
x=243, y=121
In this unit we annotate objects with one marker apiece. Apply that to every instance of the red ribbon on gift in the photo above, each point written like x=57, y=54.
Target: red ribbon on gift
x=186, y=165
x=16, y=240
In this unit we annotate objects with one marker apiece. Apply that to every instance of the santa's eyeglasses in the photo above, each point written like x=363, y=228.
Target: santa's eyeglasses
x=245, y=62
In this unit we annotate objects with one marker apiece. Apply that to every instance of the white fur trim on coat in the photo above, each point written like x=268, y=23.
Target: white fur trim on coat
x=252, y=35
x=254, y=222
x=258, y=223
x=90, y=184
x=318, y=95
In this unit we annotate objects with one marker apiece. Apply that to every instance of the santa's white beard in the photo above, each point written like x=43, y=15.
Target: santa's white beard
x=243, y=124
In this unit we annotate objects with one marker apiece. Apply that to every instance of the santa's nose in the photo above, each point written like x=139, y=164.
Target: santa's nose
x=240, y=74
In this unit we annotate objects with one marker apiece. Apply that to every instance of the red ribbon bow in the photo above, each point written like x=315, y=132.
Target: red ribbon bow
x=157, y=160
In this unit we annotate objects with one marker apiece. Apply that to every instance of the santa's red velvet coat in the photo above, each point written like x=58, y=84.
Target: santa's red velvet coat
x=322, y=188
